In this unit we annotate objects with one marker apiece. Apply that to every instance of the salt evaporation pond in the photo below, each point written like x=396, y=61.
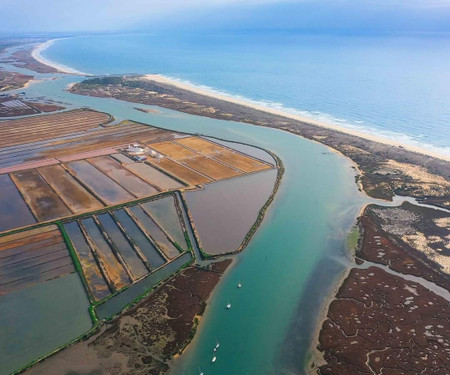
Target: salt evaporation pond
x=164, y=212
x=304, y=228
x=38, y=319
x=225, y=211
x=13, y=210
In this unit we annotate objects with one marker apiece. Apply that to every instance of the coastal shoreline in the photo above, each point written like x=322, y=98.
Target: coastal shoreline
x=248, y=103
x=36, y=54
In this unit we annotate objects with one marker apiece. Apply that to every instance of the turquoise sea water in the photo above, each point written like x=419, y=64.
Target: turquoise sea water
x=396, y=86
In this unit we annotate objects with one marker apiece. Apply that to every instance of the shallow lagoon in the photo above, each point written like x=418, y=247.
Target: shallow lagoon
x=155, y=231
x=122, y=176
x=97, y=283
x=153, y=176
x=101, y=184
x=40, y=197
x=69, y=190
x=136, y=266
x=114, y=269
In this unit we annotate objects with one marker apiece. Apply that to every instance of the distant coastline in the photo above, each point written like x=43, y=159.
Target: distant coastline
x=37, y=55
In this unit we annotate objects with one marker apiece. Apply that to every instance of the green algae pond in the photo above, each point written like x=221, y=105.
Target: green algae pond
x=289, y=265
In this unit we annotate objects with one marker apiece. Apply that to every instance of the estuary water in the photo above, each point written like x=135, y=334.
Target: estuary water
x=288, y=267
x=395, y=86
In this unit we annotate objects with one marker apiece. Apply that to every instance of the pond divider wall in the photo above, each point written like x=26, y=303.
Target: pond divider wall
x=194, y=229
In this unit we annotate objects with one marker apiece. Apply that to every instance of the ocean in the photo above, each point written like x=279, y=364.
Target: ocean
x=398, y=87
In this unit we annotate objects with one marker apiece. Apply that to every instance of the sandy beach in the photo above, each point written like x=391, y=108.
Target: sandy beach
x=39, y=48
x=229, y=98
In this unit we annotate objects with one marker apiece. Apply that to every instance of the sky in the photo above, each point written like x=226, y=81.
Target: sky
x=333, y=16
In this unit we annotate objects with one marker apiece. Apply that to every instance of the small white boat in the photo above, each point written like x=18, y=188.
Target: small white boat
x=239, y=285
x=213, y=359
x=217, y=346
x=228, y=306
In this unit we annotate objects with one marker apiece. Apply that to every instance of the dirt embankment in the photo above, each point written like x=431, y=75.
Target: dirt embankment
x=144, y=339
x=386, y=170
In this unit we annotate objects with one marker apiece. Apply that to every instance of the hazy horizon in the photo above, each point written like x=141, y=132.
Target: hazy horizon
x=309, y=16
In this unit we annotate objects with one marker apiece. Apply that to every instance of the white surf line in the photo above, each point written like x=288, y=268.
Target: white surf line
x=37, y=55
x=291, y=113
